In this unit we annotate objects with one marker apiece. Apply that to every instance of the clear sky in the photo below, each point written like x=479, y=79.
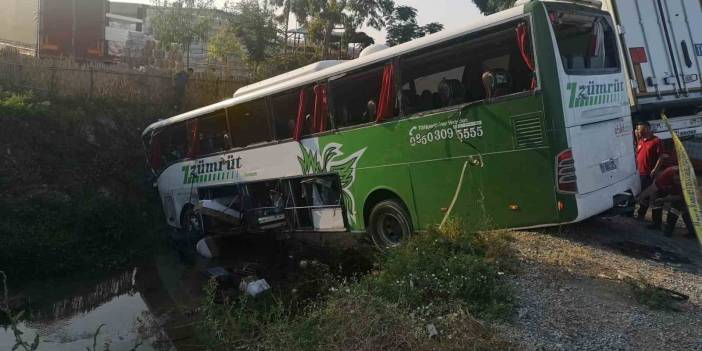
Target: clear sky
x=450, y=13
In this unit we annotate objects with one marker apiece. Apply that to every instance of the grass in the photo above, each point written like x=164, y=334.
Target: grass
x=651, y=296
x=446, y=279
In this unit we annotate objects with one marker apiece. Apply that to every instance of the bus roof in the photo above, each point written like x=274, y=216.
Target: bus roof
x=291, y=80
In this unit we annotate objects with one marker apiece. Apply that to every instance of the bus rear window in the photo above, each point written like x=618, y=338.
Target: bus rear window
x=586, y=42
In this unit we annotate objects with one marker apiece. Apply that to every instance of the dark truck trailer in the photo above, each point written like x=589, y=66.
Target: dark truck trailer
x=72, y=28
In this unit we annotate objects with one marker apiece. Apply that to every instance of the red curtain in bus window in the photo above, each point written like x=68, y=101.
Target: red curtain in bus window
x=194, y=148
x=155, y=160
x=300, y=120
x=387, y=94
x=522, y=41
x=321, y=109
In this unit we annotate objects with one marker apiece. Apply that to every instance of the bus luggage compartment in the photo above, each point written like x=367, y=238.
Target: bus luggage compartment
x=309, y=203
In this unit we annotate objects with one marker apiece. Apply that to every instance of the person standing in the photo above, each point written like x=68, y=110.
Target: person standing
x=649, y=152
x=180, y=83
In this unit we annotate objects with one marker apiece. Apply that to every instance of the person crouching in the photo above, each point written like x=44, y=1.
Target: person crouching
x=666, y=188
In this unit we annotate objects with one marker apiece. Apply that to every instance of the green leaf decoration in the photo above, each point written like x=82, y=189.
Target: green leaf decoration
x=348, y=201
x=345, y=171
x=330, y=153
x=308, y=162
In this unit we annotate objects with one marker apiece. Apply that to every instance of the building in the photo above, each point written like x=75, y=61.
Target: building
x=125, y=33
x=18, y=25
x=63, y=28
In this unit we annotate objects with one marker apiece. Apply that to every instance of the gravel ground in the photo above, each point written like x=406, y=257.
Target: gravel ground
x=573, y=295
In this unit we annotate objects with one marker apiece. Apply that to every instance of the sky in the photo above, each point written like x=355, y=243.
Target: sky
x=450, y=13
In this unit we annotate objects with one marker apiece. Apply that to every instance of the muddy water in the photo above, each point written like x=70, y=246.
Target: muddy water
x=152, y=304
x=137, y=307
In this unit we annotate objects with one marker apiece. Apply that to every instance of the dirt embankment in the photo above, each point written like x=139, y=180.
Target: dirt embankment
x=72, y=146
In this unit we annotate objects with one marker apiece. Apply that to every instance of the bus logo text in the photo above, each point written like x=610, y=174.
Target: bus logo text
x=593, y=93
x=226, y=168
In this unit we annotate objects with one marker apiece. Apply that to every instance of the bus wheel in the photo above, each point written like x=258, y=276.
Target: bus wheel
x=191, y=224
x=389, y=224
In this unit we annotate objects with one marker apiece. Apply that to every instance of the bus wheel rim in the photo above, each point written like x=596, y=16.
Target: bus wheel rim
x=390, y=229
x=193, y=223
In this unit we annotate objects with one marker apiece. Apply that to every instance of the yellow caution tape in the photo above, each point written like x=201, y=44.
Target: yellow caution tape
x=688, y=180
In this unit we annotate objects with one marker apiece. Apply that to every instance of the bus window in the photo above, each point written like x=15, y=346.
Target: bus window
x=286, y=107
x=284, y=113
x=355, y=98
x=167, y=145
x=249, y=123
x=586, y=42
x=212, y=134
x=448, y=75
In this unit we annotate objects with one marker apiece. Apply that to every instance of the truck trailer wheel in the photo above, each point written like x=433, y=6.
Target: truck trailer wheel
x=389, y=224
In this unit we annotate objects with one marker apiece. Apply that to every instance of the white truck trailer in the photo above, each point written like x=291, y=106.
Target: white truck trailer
x=661, y=42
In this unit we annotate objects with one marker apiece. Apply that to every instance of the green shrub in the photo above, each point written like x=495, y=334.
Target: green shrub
x=20, y=105
x=442, y=278
x=236, y=323
x=444, y=265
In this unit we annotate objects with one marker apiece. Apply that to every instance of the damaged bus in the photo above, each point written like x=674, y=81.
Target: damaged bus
x=521, y=119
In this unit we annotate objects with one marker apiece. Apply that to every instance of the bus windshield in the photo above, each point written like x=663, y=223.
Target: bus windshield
x=586, y=42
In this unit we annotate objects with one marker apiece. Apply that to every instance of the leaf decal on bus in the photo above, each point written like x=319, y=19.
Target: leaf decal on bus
x=308, y=162
x=346, y=171
x=332, y=161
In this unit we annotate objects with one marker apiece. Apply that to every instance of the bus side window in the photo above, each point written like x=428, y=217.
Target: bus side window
x=433, y=80
x=480, y=65
x=286, y=108
x=212, y=134
x=249, y=123
x=356, y=97
x=285, y=113
x=169, y=145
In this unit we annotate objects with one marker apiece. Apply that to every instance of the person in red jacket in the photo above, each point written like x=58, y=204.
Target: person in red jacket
x=649, y=152
x=667, y=189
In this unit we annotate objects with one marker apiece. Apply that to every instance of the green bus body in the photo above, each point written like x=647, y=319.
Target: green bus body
x=498, y=174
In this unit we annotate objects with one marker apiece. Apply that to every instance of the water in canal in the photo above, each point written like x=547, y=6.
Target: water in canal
x=151, y=305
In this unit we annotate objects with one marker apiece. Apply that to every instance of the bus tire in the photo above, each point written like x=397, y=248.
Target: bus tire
x=389, y=224
x=191, y=224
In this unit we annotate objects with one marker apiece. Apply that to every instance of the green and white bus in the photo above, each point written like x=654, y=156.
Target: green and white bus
x=520, y=119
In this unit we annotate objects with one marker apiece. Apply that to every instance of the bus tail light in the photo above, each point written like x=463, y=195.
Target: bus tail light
x=565, y=173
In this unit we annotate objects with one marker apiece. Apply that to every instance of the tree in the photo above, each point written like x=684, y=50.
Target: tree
x=254, y=26
x=182, y=23
x=433, y=27
x=321, y=17
x=489, y=7
x=403, y=27
x=224, y=44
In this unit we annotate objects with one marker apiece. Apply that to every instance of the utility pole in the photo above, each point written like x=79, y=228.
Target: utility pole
x=73, y=36
x=37, y=43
